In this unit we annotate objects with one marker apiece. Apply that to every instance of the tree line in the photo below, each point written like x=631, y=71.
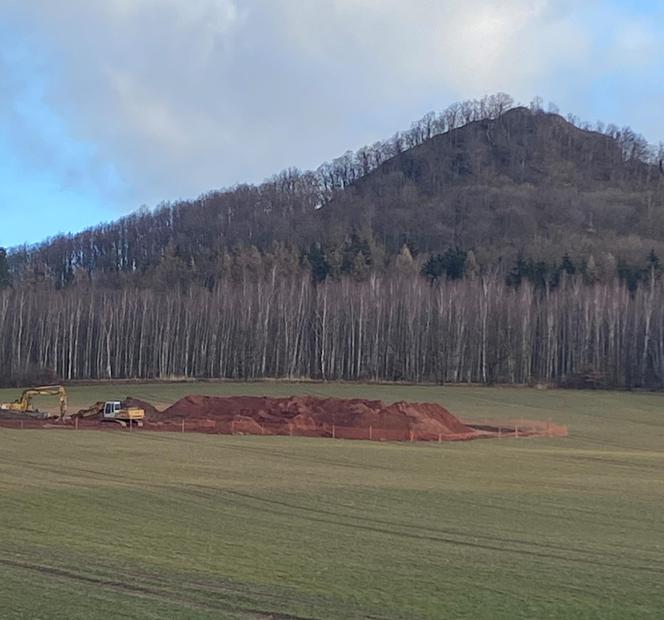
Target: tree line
x=386, y=328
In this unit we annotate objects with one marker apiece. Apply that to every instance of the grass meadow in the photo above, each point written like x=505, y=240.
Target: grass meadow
x=116, y=524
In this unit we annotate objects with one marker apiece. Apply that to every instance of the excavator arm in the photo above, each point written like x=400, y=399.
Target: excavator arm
x=24, y=403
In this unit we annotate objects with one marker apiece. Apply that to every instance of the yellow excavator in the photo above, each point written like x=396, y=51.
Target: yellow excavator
x=23, y=405
x=113, y=411
x=110, y=411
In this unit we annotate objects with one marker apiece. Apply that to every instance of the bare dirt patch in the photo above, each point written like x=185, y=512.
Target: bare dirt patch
x=315, y=417
x=311, y=416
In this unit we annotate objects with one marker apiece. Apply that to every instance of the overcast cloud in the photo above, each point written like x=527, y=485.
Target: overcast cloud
x=136, y=101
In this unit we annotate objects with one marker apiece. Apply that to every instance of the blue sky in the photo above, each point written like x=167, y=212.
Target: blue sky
x=46, y=181
x=108, y=106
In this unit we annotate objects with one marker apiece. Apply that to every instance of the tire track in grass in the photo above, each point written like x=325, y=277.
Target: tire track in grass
x=151, y=592
x=285, y=510
x=236, y=444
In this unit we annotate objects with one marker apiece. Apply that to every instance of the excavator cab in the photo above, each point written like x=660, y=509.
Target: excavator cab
x=111, y=408
x=115, y=411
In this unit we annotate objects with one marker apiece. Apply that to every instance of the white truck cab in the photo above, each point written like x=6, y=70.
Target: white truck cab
x=115, y=411
x=111, y=408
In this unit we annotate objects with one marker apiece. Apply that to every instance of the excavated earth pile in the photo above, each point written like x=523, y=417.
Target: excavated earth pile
x=314, y=417
x=308, y=416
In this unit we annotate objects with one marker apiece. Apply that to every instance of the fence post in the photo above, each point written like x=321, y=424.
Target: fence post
x=440, y=437
x=370, y=432
x=183, y=425
x=334, y=432
x=500, y=432
x=232, y=427
x=516, y=431
x=412, y=435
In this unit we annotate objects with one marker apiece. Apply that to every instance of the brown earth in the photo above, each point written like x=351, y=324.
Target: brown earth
x=319, y=417
x=312, y=417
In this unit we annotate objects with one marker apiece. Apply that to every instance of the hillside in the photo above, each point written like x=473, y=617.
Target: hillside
x=509, y=184
x=524, y=182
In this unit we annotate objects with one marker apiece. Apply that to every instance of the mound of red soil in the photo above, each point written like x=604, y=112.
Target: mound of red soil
x=312, y=416
x=305, y=416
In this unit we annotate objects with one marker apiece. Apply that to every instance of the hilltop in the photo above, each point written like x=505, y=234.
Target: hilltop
x=526, y=182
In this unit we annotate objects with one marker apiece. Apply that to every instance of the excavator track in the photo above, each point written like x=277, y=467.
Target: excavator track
x=123, y=423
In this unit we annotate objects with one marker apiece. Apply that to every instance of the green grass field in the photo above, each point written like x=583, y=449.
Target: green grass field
x=159, y=525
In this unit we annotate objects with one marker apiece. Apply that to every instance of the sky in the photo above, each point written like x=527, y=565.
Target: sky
x=110, y=105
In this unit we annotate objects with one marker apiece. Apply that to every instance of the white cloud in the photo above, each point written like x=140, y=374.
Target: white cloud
x=475, y=45
x=187, y=95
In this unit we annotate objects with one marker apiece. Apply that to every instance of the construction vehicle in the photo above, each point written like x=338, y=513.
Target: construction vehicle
x=23, y=405
x=113, y=411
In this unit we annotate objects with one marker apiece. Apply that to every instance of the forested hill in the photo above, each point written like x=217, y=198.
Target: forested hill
x=525, y=182
x=481, y=186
